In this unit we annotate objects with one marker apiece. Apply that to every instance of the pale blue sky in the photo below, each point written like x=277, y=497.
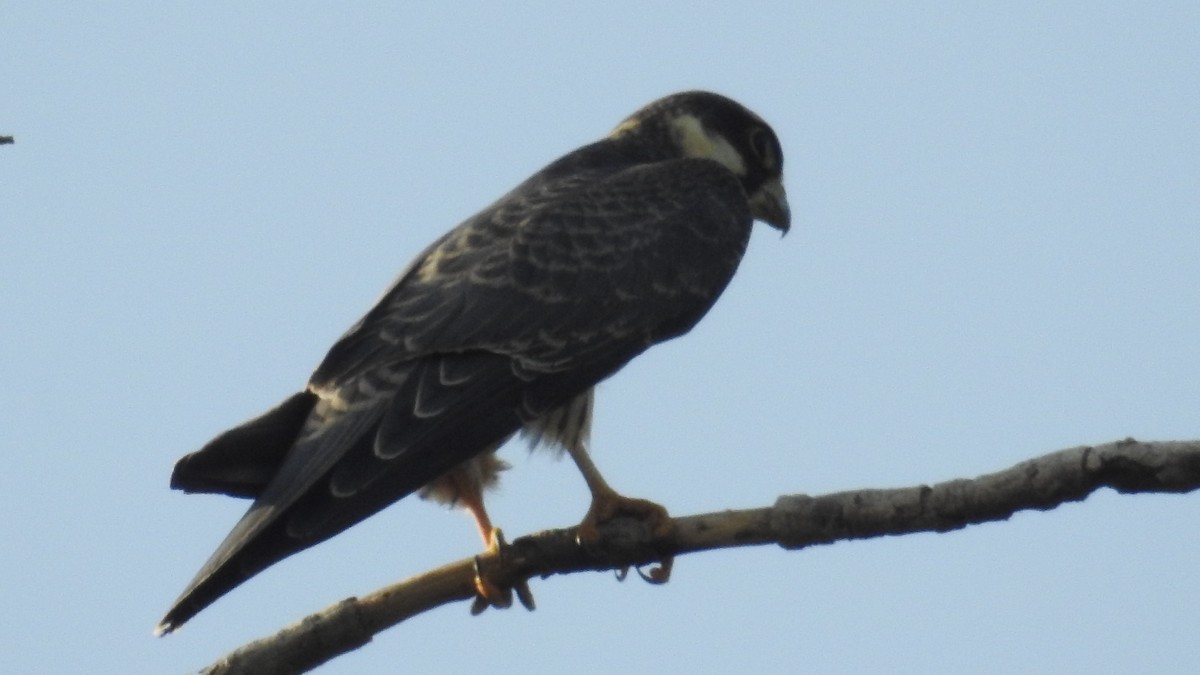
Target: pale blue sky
x=994, y=255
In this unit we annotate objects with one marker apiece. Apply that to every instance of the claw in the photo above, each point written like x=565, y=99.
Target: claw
x=490, y=594
x=608, y=504
x=525, y=595
x=660, y=574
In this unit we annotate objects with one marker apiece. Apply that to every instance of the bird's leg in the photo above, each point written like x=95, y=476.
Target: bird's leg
x=488, y=593
x=472, y=501
x=607, y=503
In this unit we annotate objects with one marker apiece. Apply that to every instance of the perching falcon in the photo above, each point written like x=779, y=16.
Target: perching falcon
x=503, y=325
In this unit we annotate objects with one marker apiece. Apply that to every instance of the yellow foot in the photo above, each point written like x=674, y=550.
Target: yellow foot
x=487, y=592
x=609, y=504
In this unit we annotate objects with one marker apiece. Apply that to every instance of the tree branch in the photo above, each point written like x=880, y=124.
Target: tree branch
x=6, y=140
x=794, y=522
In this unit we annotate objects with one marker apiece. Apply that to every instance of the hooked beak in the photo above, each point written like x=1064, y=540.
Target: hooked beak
x=769, y=204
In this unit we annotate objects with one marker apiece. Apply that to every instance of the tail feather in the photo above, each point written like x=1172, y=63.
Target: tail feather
x=241, y=461
x=373, y=453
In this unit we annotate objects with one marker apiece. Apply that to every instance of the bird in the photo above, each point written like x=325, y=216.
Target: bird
x=502, y=326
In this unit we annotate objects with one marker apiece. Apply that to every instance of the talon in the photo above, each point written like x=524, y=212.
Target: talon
x=660, y=574
x=525, y=595
x=608, y=504
x=478, y=605
x=490, y=594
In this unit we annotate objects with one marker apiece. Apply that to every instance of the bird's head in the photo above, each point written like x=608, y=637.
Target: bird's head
x=710, y=126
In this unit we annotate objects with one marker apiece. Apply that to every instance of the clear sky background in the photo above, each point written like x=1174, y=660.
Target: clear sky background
x=994, y=254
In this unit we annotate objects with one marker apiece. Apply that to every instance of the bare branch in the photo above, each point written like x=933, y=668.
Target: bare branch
x=793, y=522
x=6, y=140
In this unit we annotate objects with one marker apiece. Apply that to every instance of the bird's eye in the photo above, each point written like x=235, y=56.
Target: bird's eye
x=760, y=143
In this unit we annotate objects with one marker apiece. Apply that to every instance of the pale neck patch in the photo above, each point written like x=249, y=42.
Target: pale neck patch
x=625, y=127
x=696, y=141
